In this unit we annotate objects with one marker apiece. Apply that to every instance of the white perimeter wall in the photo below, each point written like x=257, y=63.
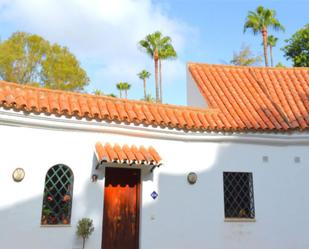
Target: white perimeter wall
x=183, y=216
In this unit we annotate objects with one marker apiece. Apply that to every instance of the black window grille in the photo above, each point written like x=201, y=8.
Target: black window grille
x=58, y=193
x=238, y=195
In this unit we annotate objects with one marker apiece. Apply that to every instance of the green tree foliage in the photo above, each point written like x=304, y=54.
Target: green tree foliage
x=149, y=98
x=259, y=21
x=21, y=57
x=120, y=87
x=297, y=49
x=98, y=92
x=84, y=229
x=167, y=52
x=123, y=86
x=271, y=42
x=29, y=59
x=61, y=70
x=154, y=45
x=280, y=65
x=126, y=88
x=245, y=57
x=143, y=75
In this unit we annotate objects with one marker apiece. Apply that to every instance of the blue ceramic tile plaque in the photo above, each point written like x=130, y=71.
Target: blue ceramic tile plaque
x=154, y=195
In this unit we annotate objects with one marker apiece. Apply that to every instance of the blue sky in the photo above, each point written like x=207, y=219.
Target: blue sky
x=103, y=34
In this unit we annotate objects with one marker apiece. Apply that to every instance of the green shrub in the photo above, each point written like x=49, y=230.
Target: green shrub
x=84, y=229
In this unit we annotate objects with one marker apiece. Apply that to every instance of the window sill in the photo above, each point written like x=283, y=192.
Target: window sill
x=60, y=225
x=239, y=220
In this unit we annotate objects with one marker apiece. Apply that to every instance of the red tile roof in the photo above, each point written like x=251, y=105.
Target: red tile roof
x=72, y=104
x=256, y=98
x=127, y=154
x=239, y=99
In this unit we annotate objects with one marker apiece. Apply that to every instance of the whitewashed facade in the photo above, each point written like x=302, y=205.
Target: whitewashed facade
x=183, y=215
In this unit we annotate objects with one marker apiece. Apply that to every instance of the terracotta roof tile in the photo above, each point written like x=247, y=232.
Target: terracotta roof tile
x=121, y=111
x=254, y=97
x=202, y=118
x=40, y=100
x=157, y=117
x=112, y=110
x=84, y=108
x=164, y=117
x=64, y=104
x=132, y=115
x=94, y=109
x=127, y=154
x=149, y=116
x=130, y=155
x=103, y=109
x=146, y=154
x=189, y=122
x=140, y=114
x=121, y=155
x=74, y=105
x=101, y=153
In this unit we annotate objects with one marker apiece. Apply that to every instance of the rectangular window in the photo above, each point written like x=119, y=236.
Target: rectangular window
x=238, y=195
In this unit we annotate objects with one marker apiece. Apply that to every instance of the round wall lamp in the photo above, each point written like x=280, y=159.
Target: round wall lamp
x=18, y=174
x=192, y=177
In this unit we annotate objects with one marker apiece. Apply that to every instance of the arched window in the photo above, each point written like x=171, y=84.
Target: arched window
x=58, y=193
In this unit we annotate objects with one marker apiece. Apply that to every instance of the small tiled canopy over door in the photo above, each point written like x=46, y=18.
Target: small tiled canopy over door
x=122, y=192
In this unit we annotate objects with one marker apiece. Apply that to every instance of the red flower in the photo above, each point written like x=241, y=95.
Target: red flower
x=49, y=198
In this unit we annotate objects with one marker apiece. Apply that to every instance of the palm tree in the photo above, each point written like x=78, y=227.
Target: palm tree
x=167, y=52
x=259, y=21
x=153, y=44
x=143, y=75
x=126, y=87
x=120, y=88
x=271, y=42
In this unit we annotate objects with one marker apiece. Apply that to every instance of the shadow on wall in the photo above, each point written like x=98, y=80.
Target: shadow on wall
x=192, y=216
x=21, y=223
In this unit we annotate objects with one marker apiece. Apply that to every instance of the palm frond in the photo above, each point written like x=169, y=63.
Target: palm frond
x=143, y=74
x=145, y=46
x=126, y=86
x=167, y=52
x=260, y=10
x=253, y=23
x=260, y=19
x=120, y=86
x=278, y=26
x=272, y=40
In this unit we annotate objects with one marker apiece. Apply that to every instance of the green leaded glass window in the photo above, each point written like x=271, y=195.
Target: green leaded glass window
x=58, y=193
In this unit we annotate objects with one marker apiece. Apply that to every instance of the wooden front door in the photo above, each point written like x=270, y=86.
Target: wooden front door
x=121, y=209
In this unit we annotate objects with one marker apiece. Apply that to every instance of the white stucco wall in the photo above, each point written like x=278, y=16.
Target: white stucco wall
x=194, y=96
x=183, y=216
